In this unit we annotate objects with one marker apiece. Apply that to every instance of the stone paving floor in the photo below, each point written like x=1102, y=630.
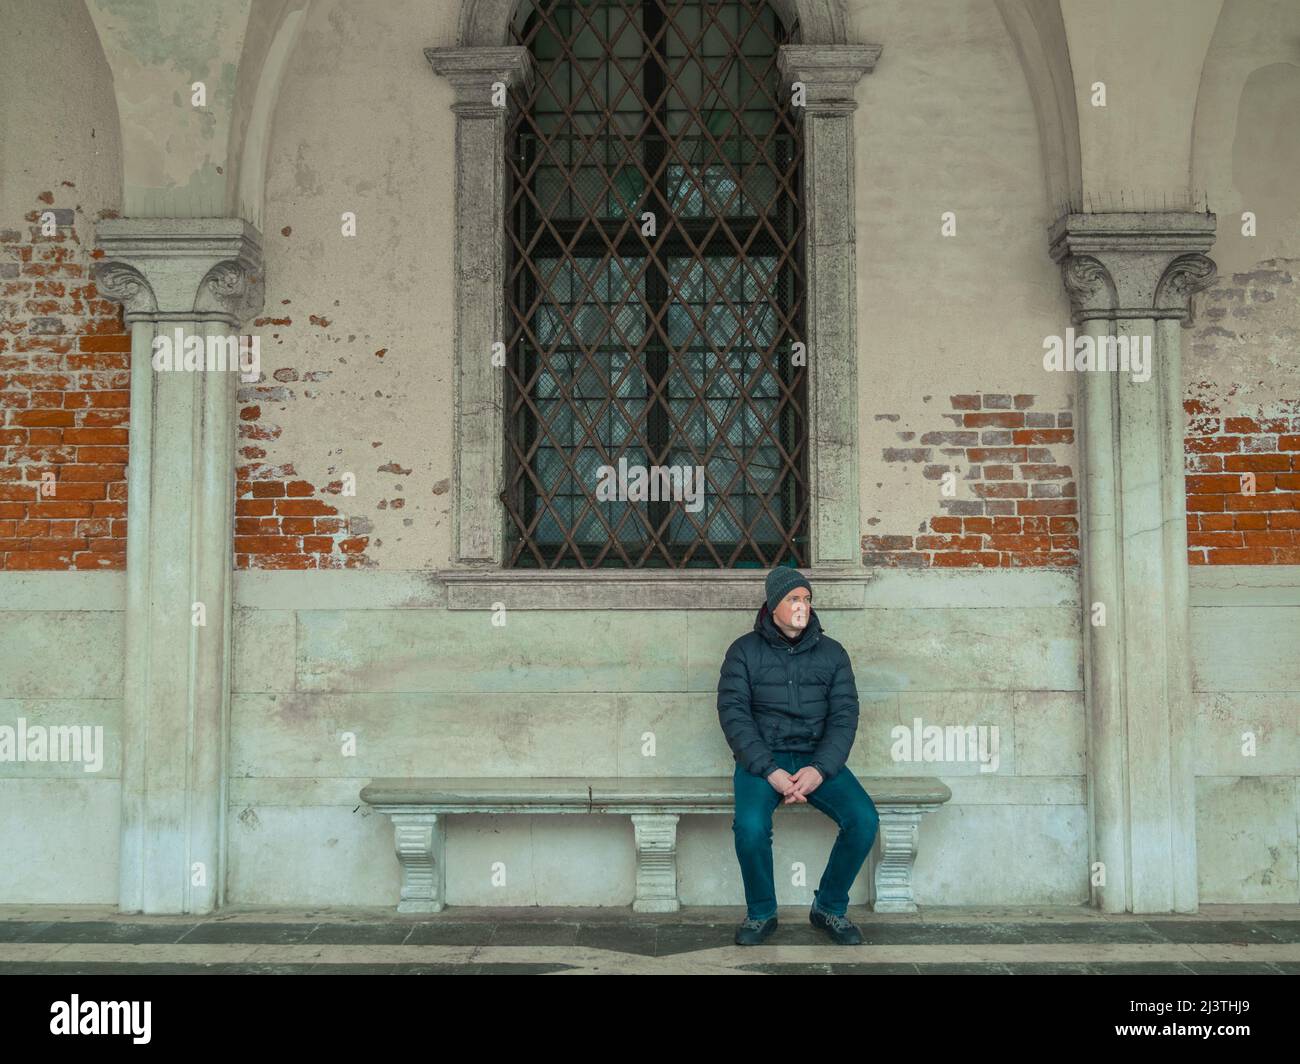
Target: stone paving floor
x=1219, y=939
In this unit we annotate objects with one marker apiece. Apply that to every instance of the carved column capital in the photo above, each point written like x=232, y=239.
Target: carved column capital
x=828, y=73
x=181, y=269
x=1133, y=264
x=474, y=71
x=1087, y=282
x=1182, y=278
x=231, y=289
x=123, y=283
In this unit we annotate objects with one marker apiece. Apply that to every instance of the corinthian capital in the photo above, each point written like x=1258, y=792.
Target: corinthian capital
x=1133, y=264
x=181, y=269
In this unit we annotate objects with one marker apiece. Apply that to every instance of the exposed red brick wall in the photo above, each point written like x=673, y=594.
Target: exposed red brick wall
x=280, y=522
x=1244, y=417
x=1226, y=523
x=1025, y=511
x=64, y=400
x=65, y=405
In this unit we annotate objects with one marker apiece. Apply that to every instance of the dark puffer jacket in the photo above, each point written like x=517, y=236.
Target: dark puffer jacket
x=778, y=695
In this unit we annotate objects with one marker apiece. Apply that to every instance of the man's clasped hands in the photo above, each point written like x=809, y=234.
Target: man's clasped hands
x=795, y=786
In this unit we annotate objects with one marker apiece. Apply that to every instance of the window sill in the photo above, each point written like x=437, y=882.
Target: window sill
x=691, y=589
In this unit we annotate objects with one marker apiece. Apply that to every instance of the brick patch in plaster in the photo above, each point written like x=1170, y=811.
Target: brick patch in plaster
x=1025, y=510
x=65, y=400
x=1230, y=520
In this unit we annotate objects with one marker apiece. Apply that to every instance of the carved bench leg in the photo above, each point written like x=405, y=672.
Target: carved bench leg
x=421, y=851
x=899, y=837
x=656, y=863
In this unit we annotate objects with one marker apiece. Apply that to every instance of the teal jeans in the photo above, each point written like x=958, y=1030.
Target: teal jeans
x=842, y=799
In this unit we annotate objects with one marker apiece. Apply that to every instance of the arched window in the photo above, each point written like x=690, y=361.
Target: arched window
x=655, y=290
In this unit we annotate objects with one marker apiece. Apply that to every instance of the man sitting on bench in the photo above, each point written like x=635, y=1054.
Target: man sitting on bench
x=788, y=706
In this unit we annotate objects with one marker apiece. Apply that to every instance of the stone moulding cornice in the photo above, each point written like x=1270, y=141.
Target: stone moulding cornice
x=181, y=269
x=828, y=72
x=837, y=588
x=473, y=71
x=1140, y=264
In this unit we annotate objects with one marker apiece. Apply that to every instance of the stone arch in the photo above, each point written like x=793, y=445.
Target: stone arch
x=1244, y=132
x=272, y=34
x=484, y=23
x=1038, y=33
x=190, y=162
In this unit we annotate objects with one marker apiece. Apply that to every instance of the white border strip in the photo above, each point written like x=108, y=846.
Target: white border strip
x=1211, y=585
x=58, y=591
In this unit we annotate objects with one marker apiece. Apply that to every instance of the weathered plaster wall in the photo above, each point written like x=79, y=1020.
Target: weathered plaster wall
x=1242, y=356
x=55, y=129
x=60, y=648
x=357, y=359
x=946, y=123
x=1241, y=368
x=63, y=350
x=61, y=653
x=1135, y=148
x=356, y=336
x=1244, y=620
x=175, y=152
x=429, y=691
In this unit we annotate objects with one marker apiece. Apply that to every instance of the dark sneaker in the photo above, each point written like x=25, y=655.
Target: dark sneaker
x=752, y=932
x=841, y=929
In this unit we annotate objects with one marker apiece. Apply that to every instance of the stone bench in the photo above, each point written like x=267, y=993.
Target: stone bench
x=419, y=809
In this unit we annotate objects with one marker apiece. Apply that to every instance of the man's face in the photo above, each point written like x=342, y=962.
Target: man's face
x=793, y=610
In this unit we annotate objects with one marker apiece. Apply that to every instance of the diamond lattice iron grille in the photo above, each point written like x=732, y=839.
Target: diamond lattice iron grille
x=655, y=402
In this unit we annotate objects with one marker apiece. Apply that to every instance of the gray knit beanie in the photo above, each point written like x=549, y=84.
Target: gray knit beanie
x=780, y=582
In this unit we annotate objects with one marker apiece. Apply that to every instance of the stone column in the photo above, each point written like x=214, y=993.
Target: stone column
x=482, y=110
x=827, y=74
x=1130, y=277
x=201, y=276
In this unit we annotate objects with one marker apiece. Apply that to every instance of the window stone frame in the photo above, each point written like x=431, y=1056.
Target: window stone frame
x=828, y=69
